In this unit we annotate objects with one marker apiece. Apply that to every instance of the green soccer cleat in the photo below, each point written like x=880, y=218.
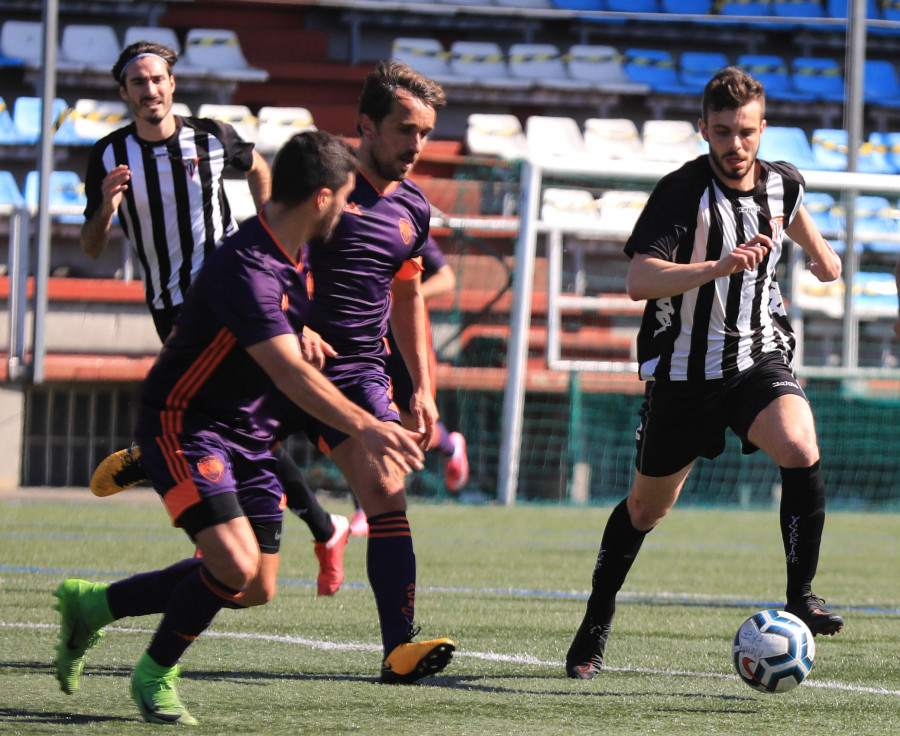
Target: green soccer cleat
x=154, y=690
x=82, y=606
x=414, y=660
x=118, y=472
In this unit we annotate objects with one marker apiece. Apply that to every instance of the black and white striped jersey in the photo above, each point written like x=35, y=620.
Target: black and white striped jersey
x=724, y=326
x=174, y=211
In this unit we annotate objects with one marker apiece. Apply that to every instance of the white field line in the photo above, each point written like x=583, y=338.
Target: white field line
x=522, y=659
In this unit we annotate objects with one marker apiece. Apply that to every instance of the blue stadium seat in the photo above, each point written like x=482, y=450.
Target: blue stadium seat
x=787, y=144
x=773, y=72
x=66, y=190
x=891, y=10
x=820, y=76
x=745, y=7
x=823, y=210
x=839, y=9
x=9, y=190
x=882, y=85
x=830, y=146
x=589, y=5
x=633, y=6
x=872, y=157
x=688, y=7
x=891, y=142
x=798, y=9
x=9, y=135
x=696, y=67
x=657, y=68
x=876, y=216
x=27, y=117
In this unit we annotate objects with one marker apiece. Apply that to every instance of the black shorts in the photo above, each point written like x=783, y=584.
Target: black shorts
x=684, y=420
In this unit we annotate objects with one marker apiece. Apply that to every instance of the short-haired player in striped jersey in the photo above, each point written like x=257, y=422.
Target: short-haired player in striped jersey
x=162, y=174
x=209, y=413
x=715, y=348
x=370, y=271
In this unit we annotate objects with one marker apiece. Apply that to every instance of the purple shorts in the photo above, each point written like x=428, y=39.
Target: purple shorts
x=204, y=481
x=366, y=385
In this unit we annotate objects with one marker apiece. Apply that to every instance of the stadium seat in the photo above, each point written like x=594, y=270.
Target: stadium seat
x=484, y=62
x=9, y=135
x=542, y=64
x=695, y=68
x=872, y=157
x=823, y=210
x=10, y=196
x=829, y=146
x=891, y=10
x=882, y=85
x=589, y=5
x=66, y=191
x=891, y=143
x=774, y=73
x=218, y=50
x=670, y=140
x=633, y=6
x=602, y=67
x=554, y=137
x=91, y=120
x=781, y=143
x=278, y=124
x=688, y=7
x=167, y=37
x=798, y=9
x=613, y=138
x=427, y=56
x=27, y=117
x=181, y=109
x=875, y=217
x=745, y=7
x=239, y=198
x=657, y=68
x=569, y=207
x=23, y=39
x=529, y=4
x=839, y=9
x=620, y=209
x=496, y=135
x=238, y=116
x=821, y=77
x=92, y=48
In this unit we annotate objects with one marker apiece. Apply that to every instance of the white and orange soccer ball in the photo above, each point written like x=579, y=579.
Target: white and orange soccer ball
x=773, y=651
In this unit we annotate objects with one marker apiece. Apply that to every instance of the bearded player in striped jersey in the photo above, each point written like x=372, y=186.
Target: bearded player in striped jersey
x=715, y=348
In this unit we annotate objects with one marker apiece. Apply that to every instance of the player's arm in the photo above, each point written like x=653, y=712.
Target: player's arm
x=259, y=179
x=825, y=264
x=652, y=277
x=95, y=231
x=442, y=281
x=281, y=359
x=409, y=327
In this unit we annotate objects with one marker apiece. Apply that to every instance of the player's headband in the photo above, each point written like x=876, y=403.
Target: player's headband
x=140, y=56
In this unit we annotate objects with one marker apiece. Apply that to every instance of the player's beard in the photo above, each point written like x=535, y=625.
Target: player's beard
x=728, y=173
x=326, y=227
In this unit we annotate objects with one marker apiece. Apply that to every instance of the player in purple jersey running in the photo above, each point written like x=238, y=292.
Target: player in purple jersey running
x=715, y=348
x=208, y=415
x=162, y=174
x=367, y=273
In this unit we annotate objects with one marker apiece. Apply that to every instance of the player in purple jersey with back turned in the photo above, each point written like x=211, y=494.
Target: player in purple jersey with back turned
x=209, y=415
x=371, y=263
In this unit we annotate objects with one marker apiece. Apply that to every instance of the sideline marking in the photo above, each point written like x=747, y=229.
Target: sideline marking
x=486, y=656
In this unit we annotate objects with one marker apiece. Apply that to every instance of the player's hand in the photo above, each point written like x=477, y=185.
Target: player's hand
x=746, y=256
x=425, y=414
x=314, y=349
x=389, y=441
x=114, y=185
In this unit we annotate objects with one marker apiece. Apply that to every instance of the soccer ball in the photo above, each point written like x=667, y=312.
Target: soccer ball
x=773, y=651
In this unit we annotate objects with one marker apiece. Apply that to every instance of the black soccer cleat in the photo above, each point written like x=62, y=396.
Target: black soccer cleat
x=585, y=657
x=810, y=609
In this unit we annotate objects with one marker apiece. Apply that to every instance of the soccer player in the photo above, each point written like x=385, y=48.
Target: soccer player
x=370, y=271
x=208, y=416
x=715, y=348
x=162, y=175
x=437, y=278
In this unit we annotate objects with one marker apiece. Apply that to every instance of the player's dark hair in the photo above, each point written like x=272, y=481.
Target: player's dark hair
x=730, y=89
x=382, y=86
x=308, y=162
x=139, y=48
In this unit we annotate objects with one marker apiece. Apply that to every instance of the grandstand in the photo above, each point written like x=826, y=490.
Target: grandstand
x=611, y=85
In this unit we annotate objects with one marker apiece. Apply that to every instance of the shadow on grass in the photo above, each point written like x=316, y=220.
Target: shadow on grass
x=20, y=716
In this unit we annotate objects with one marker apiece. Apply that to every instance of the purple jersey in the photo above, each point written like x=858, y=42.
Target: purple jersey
x=376, y=238
x=204, y=381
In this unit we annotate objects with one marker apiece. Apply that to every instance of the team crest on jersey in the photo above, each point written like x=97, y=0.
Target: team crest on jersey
x=776, y=225
x=351, y=208
x=190, y=165
x=406, y=230
x=211, y=468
